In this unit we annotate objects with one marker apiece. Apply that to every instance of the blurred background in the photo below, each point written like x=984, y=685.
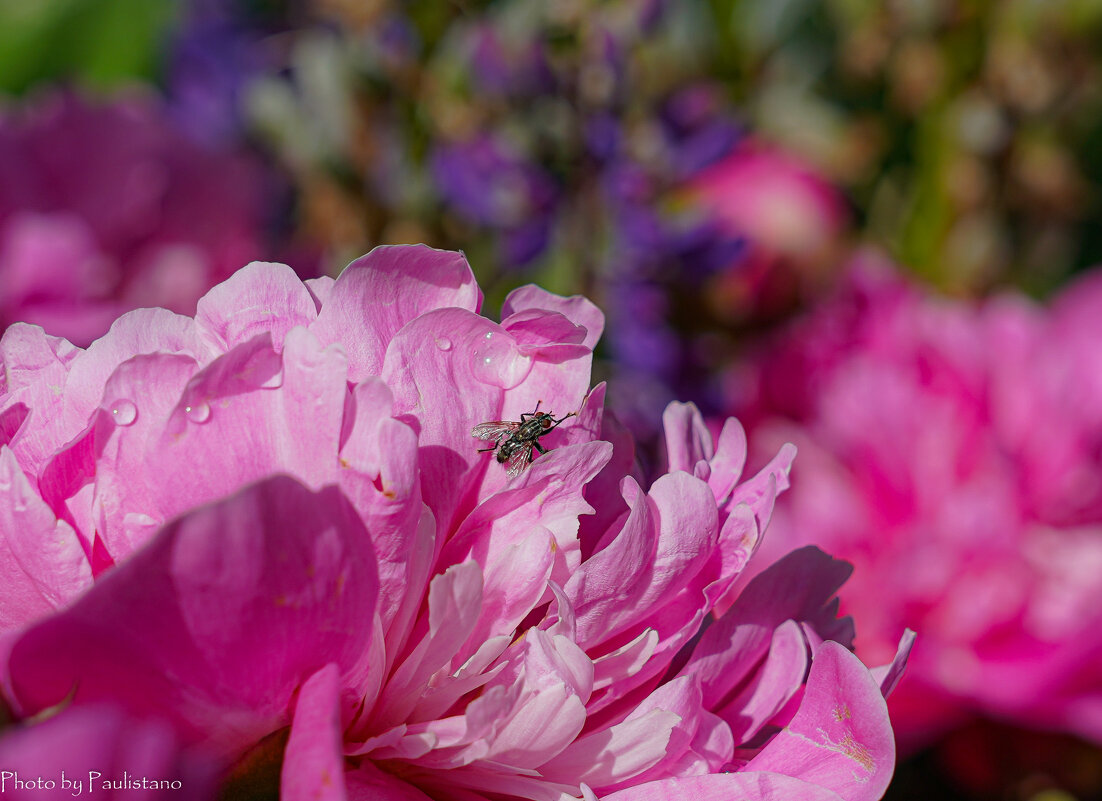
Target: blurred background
x=869, y=228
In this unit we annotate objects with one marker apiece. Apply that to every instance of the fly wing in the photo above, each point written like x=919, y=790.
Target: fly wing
x=494, y=430
x=519, y=460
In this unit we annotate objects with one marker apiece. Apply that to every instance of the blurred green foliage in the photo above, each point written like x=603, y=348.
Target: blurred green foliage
x=98, y=43
x=964, y=131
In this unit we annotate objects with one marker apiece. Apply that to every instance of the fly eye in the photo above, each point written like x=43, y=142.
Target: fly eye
x=546, y=422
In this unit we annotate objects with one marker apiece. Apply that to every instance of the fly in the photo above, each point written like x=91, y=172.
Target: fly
x=514, y=441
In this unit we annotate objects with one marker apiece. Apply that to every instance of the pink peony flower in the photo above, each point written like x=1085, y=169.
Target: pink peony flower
x=104, y=207
x=269, y=527
x=792, y=218
x=950, y=451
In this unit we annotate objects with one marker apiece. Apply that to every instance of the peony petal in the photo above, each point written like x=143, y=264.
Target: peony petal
x=249, y=414
x=840, y=738
x=43, y=565
x=391, y=286
x=756, y=786
x=138, y=332
x=729, y=460
x=454, y=606
x=608, y=756
x=441, y=387
x=687, y=438
x=313, y=765
x=761, y=491
x=627, y=581
x=576, y=308
x=535, y=328
x=771, y=686
x=368, y=783
x=261, y=297
x=319, y=289
x=888, y=676
x=548, y=495
x=218, y=620
x=379, y=474
x=606, y=587
x=34, y=368
x=126, y=434
x=798, y=587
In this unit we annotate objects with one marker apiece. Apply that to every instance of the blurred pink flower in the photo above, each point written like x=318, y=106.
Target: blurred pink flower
x=105, y=207
x=98, y=750
x=271, y=521
x=793, y=220
x=950, y=450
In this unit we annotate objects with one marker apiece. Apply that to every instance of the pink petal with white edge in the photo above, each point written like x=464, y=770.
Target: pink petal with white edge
x=841, y=737
x=217, y=622
x=313, y=764
x=514, y=580
x=261, y=297
x=43, y=565
x=379, y=293
x=757, y=786
x=626, y=661
x=576, y=308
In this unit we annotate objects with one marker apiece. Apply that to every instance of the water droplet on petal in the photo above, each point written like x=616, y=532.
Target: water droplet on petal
x=198, y=412
x=444, y=343
x=124, y=412
x=496, y=360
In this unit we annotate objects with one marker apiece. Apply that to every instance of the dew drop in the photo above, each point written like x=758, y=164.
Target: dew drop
x=496, y=360
x=444, y=343
x=198, y=412
x=124, y=412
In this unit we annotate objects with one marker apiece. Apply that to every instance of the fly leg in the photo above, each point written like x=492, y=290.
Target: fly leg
x=525, y=415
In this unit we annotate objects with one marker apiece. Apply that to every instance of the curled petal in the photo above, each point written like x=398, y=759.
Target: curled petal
x=840, y=738
x=215, y=623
